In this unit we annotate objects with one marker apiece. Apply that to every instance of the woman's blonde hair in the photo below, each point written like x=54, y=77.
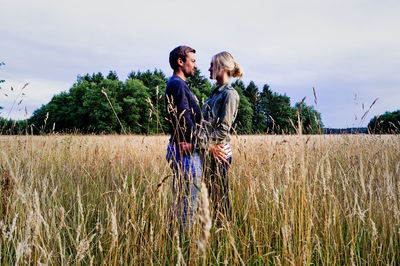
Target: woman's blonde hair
x=225, y=61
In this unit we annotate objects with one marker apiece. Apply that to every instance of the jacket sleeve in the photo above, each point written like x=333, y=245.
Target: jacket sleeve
x=226, y=118
x=202, y=137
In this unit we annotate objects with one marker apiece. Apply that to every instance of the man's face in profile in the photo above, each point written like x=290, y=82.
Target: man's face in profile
x=189, y=66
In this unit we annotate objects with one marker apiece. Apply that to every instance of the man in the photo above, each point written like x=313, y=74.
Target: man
x=184, y=116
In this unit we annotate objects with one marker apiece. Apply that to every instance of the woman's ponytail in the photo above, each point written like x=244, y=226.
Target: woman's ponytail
x=237, y=71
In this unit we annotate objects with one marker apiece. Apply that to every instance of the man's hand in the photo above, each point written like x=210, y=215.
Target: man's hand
x=218, y=152
x=186, y=147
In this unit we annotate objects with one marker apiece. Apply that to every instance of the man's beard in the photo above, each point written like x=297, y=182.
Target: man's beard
x=188, y=74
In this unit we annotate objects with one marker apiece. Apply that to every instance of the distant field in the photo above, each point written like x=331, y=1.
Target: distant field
x=332, y=200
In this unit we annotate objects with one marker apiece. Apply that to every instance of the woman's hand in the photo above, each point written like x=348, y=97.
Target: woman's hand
x=218, y=153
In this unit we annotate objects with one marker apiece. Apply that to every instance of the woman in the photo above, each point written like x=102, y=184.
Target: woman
x=219, y=113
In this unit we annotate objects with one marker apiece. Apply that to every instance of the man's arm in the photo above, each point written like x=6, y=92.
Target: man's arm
x=188, y=126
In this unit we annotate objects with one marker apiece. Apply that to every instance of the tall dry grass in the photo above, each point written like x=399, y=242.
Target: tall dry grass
x=105, y=200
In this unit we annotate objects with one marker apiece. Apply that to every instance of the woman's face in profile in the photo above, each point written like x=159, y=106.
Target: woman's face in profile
x=211, y=69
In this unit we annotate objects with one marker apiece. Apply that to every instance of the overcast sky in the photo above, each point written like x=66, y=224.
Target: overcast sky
x=348, y=50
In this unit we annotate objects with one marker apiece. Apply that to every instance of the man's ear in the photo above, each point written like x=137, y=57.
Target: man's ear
x=180, y=61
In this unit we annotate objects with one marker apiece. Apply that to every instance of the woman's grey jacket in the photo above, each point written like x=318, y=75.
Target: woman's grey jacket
x=219, y=113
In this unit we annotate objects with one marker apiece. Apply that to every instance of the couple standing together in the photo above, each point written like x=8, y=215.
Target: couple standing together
x=199, y=143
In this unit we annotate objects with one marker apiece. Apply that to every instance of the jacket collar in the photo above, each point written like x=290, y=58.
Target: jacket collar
x=220, y=89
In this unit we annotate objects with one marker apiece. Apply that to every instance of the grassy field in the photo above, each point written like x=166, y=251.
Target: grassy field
x=332, y=200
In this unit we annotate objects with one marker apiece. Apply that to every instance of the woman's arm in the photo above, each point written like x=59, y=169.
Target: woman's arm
x=226, y=118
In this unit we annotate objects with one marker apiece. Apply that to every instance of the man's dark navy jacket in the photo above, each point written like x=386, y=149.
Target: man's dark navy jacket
x=183, y=111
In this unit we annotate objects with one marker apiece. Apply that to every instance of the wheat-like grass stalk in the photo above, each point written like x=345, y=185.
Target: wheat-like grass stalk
x=323, y=200
x=205, y=219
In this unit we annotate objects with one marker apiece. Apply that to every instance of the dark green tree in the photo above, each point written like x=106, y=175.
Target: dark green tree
x=135, y=107
x=149, y=79
x=54, y=116
x=78, y=113
x=252, y=94
x=309, y=119
x=37, y=120
x=277, y=111
x=12, y=127
x=100, y=101
x=112, y=75
x=243, y=123
x=262, y=117
x=95, y=78
x=156, y=82
x=388, y=123
x=85, y=108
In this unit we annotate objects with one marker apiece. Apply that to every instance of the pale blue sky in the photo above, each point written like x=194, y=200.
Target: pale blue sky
x=342, y=48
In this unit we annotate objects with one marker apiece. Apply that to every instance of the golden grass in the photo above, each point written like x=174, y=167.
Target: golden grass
x=295, y=200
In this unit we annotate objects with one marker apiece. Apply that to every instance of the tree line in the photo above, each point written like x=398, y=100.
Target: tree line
x=387, y=123
x=104, y=104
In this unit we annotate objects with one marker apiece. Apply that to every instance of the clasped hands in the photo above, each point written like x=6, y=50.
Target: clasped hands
x=217, y=151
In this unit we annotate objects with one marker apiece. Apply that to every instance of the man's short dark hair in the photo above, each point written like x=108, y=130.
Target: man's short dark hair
x=179, y=52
